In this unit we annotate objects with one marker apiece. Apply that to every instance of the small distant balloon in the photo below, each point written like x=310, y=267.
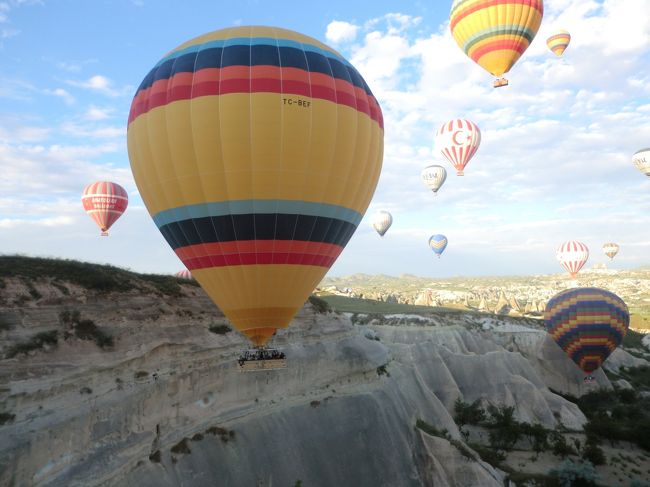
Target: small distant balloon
x=105, y=202
x=458, y=140
x=641, y=159
x=610, y=249
x=559, y=41
x=434, y=177
x=184, y=274
x=438, y=243
x=381, y=222
x=572, y=255
x=588, y=324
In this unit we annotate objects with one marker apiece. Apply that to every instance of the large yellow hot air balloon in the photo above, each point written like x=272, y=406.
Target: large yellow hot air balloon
x=495, y=33
x=256, y=150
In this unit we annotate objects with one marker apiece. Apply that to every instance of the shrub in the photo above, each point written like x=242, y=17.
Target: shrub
x=4, y=325
x=559, y=445
x=181, y=447
x=155, y=456
x=537, y=434
x=431, y=430
x=197, y=437
x=314, y=404
x=220, y=329
x=571, y=474
x=593, y=452
x=36, y=342
x=6, y=417
x=505, y=431
x=141, y=374
x=320, y=305
x=87, y=330
x=85, y=390
x=465, y=413
x=381, y=370
x=489, y=455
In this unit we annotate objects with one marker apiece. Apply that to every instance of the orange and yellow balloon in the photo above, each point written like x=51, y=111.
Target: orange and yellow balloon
x=559, y=41
x=495, y=33
x=256, y=151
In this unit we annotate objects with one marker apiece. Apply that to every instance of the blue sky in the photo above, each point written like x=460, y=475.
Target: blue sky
x=554, y=163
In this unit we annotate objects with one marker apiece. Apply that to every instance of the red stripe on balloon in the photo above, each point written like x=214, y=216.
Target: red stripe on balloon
x=509, y=44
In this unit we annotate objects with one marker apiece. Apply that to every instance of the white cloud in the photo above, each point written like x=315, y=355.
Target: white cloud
x=100, y=84
x=63, y=94
x=96, y=132
x=340, y=31
x=98, y=113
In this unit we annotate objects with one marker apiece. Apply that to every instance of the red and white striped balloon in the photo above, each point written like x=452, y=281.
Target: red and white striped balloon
x=458, y=140
x=184, y=274
x=572, y=255
x=104, y=202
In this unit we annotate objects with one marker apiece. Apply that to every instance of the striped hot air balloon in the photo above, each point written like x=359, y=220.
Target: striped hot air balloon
x=495, y=33
x=381, y=222
x=572, y=255
x=559, y=41
x=438, y=243
x=434, y=177
x=104, y=202
x=458, y=140
x=588, y=324
x=610, y=249
x=256, y=151
x=184, y=274
x=641, y=159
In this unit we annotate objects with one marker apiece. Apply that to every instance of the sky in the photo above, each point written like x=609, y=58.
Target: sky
x=554, y=162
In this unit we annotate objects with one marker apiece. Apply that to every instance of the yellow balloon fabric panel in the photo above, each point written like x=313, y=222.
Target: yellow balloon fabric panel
x=257, y=151
x=495, y=33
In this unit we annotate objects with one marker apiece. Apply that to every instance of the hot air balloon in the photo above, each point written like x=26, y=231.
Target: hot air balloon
x=641, y=160
x=588, y=324
x=572, y=255
x=434, y=177
x=558, y=41
x=458, y=140
x=438, y=243
x=495, y=33
x=184, y=274
x=381, y=221
x=610, y=249
x=104, y=202
x=256, y=151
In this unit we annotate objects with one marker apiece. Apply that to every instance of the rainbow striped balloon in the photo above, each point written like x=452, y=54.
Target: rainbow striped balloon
x=559, y=41
x=588, y=324
x=495, y=33
x=256, y=151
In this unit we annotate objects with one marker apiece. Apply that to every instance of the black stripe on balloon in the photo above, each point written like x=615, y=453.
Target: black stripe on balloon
x=256, y=55
x=266, y=226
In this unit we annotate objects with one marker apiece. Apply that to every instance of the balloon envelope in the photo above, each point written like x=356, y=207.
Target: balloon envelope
x=434, y=177
x=256, y=151
x=184, y=274
x=572, y=255
x=588, y=324
x=495, y=33
x=641, y=159
x=610, y=249
x=438, y=243
x=458, y=140
x=381, y=222
x=558, y=41
x=105, y=202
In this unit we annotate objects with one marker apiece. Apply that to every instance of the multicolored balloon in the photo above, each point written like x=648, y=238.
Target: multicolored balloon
x=641, y=159
x=458, y=140
x=588, y=324
x=256, y=151
x=381, y=222
x=610, y=249
x=105, y=202
x=434, y=177
x=572, y=255
x=495, y=33
x=559, y=41
x=184, y=274
x=438, y=243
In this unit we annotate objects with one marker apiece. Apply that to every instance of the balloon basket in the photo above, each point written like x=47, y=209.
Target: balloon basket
x=499, y=82
x=261, y=359
x=104, y=234
x=460, y=173
x=589, y=379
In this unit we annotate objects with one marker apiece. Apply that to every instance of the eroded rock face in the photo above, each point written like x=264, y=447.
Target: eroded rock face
x=86, y=416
